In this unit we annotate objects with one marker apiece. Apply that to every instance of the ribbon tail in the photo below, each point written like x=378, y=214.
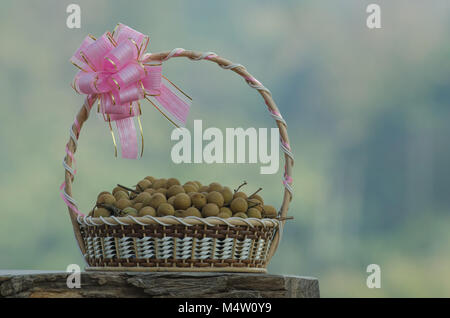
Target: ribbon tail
x=172, y=103
x=128, y=138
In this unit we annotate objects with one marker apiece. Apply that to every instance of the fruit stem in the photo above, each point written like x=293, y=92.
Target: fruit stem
x=256, y=204
x=129, y=189
x=243, y=184
x=255, y=192
x=116, y=211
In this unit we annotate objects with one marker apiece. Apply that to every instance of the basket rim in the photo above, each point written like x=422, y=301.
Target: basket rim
x=173, y=220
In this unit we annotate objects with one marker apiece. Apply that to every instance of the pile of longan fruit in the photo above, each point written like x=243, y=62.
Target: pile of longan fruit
x=163, y=197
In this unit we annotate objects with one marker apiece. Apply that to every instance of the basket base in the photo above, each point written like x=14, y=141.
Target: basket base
x=178, y=269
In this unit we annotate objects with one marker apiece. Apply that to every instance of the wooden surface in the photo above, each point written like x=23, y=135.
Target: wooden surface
x=30, y=284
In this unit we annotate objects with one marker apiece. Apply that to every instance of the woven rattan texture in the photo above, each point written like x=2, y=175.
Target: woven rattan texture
x=177, y=246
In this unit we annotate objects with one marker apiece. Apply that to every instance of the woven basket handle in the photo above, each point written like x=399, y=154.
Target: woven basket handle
x=83, y=115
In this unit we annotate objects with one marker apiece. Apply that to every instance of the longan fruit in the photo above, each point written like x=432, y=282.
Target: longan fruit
x=223, y=215
x=130, y=211
x=254, y=203
x=215, y=197
x=120, y=195
x=192, y=212
x=254, y=213
x=143, y=197
x=239, y=205
x=165, y=209
x=215, y=186
x=147, y=210
x=198, y=200
x=116, y=189
x=240, y=215
x=150, y=190
x=198, y=183
x=160, y=183
x=189, y=187
x=179, y=213
x=172, y=182
x=101, y=212
x=102, y=193
x=227, y=195
x=143, y=184
x=150, y=178
x=156, y=200
x=182, y=201
x=257, y=197
x=240, y=194
x=171, y=200
x=270, y=211
x=123, y=203
x=162, y=191
x=106, y=198
x=138, y=206
x=174, y=190
x=193, y=183
x=210, y=209
x=203, y=189
x=225, y=210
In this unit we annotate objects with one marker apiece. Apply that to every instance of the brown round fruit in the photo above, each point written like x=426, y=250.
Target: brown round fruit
x=210, y=210
x=120, y=195
x=227, y=195
x=172, y=182
x=147, y=210
x=203, y=189
x=192, y=212
x=240, y=194
x=123, y=203
x=138, y=206
x=240, y=215
x=216, y=198
x=129, y=211
x=257, y=197
x=150, y=190
x=143, y=184
x=106, y=198
x=171, y=200
x=174, y=190
x=215, y=186
x=102, y=193
x=160, y=183
x=198, y=200
x=150, y=178
x=157, y=200
x=254, y=203
x=179, y=213
x=182, y=201
x=254, y=213
x=239, y=205
x=188, y=187
x=165, y=209
x=143, y=197
x=226, y=211
x=198, y=183
x=162, y=191
x=116, y=189
x=270, y=211
x=101, y=212
x=223, y=215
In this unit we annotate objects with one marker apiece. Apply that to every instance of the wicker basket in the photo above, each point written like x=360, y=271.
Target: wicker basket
x=179, y=244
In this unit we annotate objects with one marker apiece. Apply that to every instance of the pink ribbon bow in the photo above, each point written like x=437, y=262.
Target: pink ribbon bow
x=112, y=67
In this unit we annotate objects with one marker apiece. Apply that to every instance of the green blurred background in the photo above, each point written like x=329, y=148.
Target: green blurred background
x=367, y=112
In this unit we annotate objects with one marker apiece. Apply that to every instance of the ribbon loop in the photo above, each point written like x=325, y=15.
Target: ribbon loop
x=112, y=68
